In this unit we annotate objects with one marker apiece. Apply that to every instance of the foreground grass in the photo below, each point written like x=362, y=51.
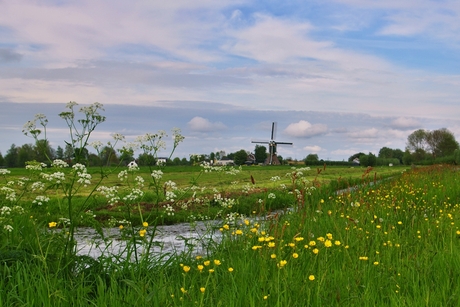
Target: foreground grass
x=395, y=244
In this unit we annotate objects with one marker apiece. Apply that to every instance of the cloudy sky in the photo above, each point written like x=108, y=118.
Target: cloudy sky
x=338, y=76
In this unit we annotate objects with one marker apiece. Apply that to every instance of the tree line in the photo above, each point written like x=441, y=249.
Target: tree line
x=422, y=147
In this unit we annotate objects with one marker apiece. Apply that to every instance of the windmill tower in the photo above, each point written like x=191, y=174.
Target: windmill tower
x=272, y=145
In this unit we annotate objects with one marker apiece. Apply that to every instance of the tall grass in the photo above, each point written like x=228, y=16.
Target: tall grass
x=393, y=244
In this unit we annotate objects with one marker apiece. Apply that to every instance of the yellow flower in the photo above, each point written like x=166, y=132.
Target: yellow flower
x=246, y=222
x=142, y=232
x=337, y=242
x=399, y=223
x=261, y=239
x=298, y=239
x=121, y=227
x=458, y=232
x=291, y=244
x=52, y=224
x=312, y=243
x=202, y=289
x=273, y=256
x=376, y=263
x=363, y=258
x=145, y=224
x=328, y=243
x=183, y=290
x=266, y=297
x=321, y=239
x=271, y=244
x=329, y=236
x=211, y=270
x=239, y=232
x=217, y=262
x=207, y=262
x=230, y=270
x=315, y=251
x=311, y=277
x=226, y=227
x=200, y=267
x=295, y=255
x=186, y=268
x=282, y=263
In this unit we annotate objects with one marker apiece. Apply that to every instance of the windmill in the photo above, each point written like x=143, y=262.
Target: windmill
x=272, y=144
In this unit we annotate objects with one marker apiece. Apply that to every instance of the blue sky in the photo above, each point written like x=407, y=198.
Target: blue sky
x=338, y=77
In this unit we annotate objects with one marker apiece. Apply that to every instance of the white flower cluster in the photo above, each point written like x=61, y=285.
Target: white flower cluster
x=247, y=188
x=135, y=194
x=38, y=185
x=57, y=177
x=4, y=171
x=275, y=178
x=40, y=200
x=224, y=202
x=110, y=193
x=139, y=181
x=58, y=163
x=232, y=218
x=35, y=166
x=5, y=210
x=10, y=194
x=8, y=228
x=208, y=168
x=123, y=175
x=171, y=185
x=233, y=171
x=83, y=177
x=157, y=174
x=169, y=209
x=96, y=145
x=271, y=196
x=170, y=196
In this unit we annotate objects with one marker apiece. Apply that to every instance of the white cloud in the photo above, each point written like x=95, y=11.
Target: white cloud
x=405, y=123
x=313, y=149
x=201, y=124
x=371, y=133
x=304, y=129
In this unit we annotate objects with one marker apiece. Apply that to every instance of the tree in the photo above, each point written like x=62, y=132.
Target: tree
x=11, y=157
x=416, y=140
x=385, y=153
x=109, y=156
x=240, y=157
x=43, y=151
x=2, y=160
x=260, y=153
x=60, y=153
x=311, y=159
x=26, y=153
x=368, y=160
x=356, y=155
x=68, y=152
x=441, y=142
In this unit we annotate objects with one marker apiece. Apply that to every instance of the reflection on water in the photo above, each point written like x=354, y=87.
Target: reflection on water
x=168, y=239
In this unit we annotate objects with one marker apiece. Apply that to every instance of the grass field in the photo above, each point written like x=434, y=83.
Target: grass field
x=395, y=243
